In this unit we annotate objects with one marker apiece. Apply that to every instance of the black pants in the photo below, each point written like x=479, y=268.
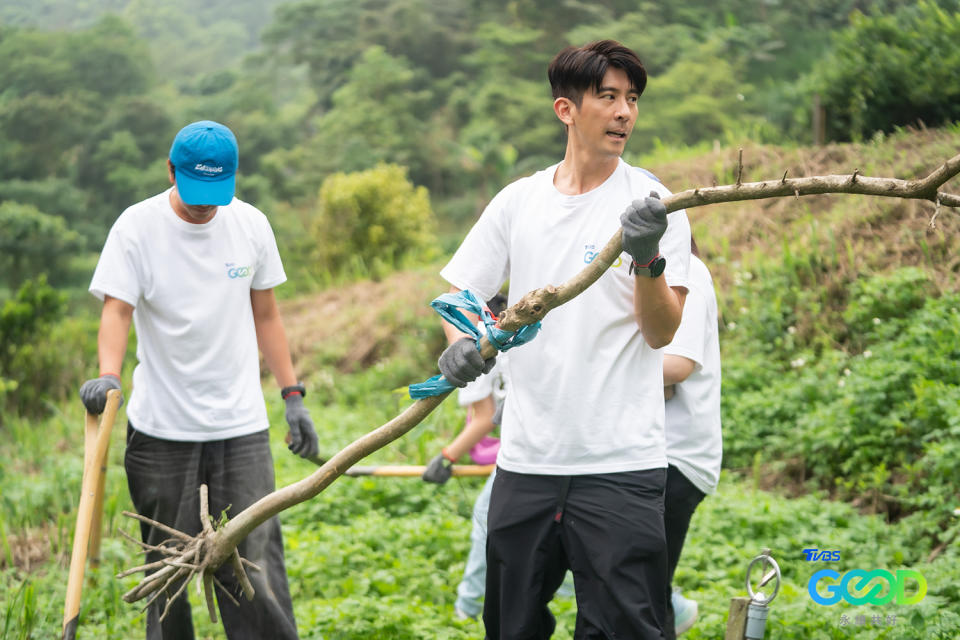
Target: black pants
x=681, y=500
x=164, y=478
x=606, y=528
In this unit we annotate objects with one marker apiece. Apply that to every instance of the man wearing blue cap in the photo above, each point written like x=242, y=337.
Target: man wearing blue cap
x=194, y=269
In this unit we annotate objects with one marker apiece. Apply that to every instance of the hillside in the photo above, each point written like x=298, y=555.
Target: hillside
x=355, y=326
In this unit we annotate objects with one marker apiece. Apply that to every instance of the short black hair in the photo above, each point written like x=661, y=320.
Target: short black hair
x=575, y=69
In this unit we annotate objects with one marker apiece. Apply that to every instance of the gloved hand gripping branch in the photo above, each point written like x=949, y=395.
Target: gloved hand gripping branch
x=461, y=362
x=93, y=393
x=644, y=223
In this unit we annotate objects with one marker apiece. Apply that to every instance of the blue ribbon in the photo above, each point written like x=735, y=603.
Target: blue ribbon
x=448, y=306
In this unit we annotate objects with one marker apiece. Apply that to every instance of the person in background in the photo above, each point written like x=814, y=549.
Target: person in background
x=581, y=470
x=194, y=269
x=483, y=399
x=691, y=378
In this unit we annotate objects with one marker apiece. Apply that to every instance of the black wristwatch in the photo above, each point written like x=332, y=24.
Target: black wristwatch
x=294, y=388
x=652, y=269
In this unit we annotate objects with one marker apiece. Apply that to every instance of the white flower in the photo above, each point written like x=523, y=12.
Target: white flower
x=846, y=372
x=799, y=362
x=791, y=330
x=956, y=511
x=731, y=326
x=841, y=382
x=877, y=321
x=867, y=353
x=743, y=310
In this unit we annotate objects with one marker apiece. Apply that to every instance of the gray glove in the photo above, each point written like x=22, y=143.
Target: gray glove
x=439, y=470
x=303, y=438
x=93, y=393
x=643, y=223
x=461, y=362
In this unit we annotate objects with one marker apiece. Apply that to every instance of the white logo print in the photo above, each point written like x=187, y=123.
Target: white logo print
x=207, y=169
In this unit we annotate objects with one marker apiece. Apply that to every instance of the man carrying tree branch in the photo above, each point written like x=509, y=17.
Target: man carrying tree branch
x=582, y=465
x=194, y=268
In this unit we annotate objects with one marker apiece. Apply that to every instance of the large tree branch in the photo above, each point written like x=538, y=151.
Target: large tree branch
x=534, y=305
x=206, y=552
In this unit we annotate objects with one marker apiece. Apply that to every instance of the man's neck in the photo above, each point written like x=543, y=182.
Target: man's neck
x=580, y=173
x=193, y=215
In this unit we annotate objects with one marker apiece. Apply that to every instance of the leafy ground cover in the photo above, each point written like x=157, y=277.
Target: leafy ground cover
x=381, y=557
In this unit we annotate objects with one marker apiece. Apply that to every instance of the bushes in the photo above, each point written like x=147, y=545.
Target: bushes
x=32, y=242
x=878, y=423
x=42, y=354
x=371, y=221
x=892, y=70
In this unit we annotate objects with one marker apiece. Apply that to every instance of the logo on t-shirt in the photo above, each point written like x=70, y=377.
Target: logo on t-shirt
x=590, y=252
x=234, y=271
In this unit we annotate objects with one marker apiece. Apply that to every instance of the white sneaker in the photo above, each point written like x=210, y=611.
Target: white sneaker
x=684, y=612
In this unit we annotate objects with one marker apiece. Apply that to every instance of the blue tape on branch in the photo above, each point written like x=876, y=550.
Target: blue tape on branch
x=448, y=306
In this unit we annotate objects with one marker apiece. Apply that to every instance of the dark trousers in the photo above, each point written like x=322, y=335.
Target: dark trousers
x=164, y=478
x=681, y=500
x=606, y=528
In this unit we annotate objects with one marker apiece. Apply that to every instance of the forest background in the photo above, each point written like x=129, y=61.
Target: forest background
x=372, y=133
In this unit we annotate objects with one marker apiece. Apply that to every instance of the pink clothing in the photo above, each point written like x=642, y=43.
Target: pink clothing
x=485, y=451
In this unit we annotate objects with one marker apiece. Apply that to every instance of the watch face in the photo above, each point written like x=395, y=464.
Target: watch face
x=658, y=266
x=652, y=270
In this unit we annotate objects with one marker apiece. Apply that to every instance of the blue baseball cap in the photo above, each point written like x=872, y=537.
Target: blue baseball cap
x=205, y=157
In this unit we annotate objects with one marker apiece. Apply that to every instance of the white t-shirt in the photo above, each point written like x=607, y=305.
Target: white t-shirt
x=198, y=372
x=694, y=443
x=586, y=395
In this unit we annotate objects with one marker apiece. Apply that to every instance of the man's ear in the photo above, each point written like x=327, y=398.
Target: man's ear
x=565, y=110
x=170, y=175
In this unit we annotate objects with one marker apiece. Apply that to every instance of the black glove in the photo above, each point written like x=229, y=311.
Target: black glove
x=439, y=470
x=461, y=362
x=303, y=438
x=643, y=223
x=93, y=393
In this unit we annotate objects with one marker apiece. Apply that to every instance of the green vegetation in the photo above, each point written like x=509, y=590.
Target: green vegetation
x=372, y=133
x=880, y=73
x=381, y=222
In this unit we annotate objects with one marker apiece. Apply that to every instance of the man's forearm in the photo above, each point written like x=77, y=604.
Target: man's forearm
x=112, y=337
x=453, y=334
x=481, y=423
x=272, y=337
x=658, y=309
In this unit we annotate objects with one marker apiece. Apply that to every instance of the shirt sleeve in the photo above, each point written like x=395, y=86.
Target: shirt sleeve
x=119, y=272
x=477, y=390
x=675, y=247
x=482, y=262
x=690, y=339
x=269, y=272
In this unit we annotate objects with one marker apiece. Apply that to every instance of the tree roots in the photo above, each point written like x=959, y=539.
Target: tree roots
x=186, y=557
